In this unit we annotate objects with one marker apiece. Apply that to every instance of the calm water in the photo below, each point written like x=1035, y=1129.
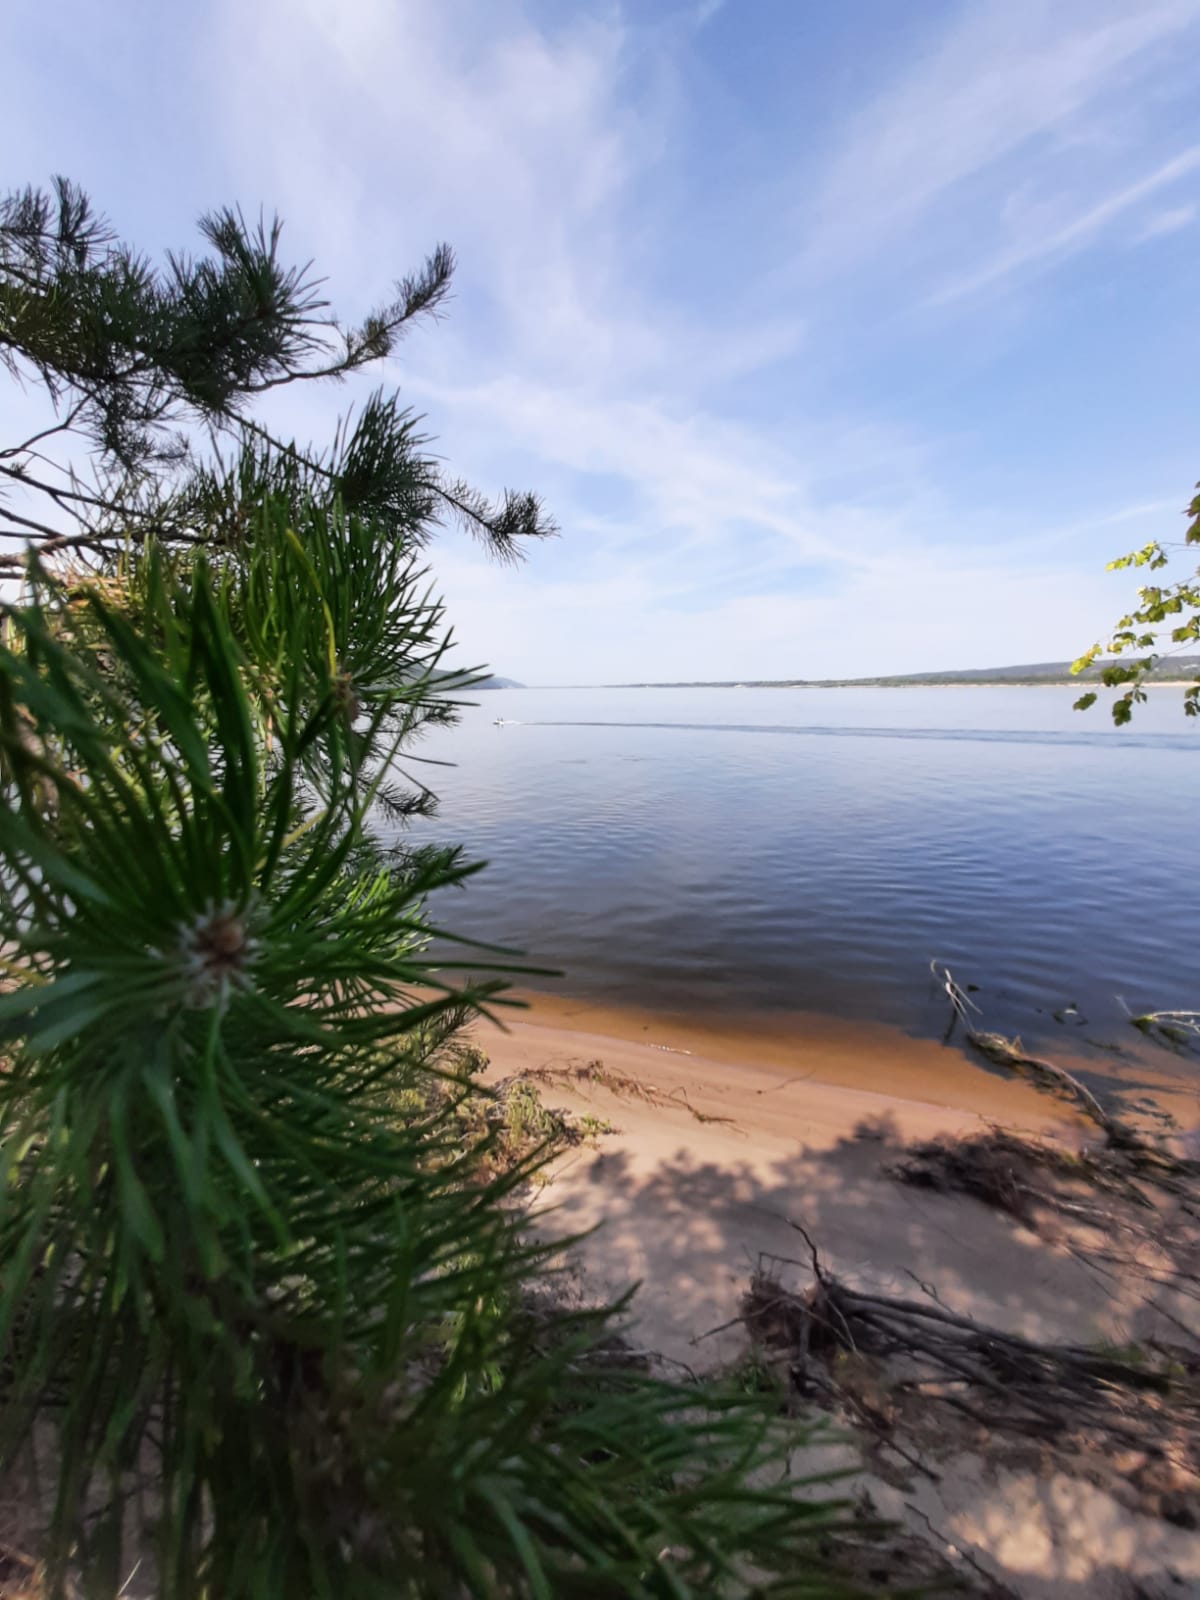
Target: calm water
x=781, y=850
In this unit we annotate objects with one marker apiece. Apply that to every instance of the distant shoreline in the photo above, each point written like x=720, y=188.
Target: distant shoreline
x=934, y=681
x=870, y=683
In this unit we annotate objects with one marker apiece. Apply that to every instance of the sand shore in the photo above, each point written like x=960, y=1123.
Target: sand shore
x=752, y=1131
x=749, y=1132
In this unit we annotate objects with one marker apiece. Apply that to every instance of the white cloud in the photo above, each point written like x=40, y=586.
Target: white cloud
x=924, y=614
x=695, y=475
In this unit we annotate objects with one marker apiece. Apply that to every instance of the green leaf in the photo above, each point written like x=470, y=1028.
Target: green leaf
x=1085, y=660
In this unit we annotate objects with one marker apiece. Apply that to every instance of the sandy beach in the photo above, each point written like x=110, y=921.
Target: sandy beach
x=747, y=1132
x=750, y=1132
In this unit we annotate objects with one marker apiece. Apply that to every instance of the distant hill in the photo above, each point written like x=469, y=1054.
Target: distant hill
x=1177, y=668
x=490, y=682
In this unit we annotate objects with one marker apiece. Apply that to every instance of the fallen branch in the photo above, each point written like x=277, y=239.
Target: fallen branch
x=880, y=1356
x=1009, y=1053
x=995, y=1168
x=1127, y=1214
x=993, y=1589
x=1185, y=1019
x=1026, y=1178
x=1176, y=1030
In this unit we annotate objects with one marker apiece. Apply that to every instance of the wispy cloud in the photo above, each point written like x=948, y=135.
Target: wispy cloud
x=699, y=512
x=748, y=332
x=1165, y=222
x=1012, y=75
x=1047, y=248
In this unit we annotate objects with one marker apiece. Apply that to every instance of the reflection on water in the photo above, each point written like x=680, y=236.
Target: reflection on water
x=816, y=852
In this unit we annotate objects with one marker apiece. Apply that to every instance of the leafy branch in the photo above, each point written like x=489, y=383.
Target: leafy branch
x=1165, y=623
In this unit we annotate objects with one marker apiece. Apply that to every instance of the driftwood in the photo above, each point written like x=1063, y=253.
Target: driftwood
x=1010, y=1053
x=893, y=1363
x=1178, y=1031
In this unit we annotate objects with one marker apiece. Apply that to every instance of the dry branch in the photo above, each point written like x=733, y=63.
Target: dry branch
x=891, y=1362
x=1010, y=1053
x=995, y=1167
x=1129, y=1213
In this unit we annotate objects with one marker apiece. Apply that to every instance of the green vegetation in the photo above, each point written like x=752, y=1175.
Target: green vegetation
x=1164, y=623
x=272, y=1321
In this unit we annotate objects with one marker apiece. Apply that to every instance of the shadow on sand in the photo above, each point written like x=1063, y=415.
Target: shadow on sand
x=690, y=1213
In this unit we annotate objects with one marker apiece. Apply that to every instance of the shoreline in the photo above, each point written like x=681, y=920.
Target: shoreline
x=805, y=1048
x=718, y=1140
x=862, y=683
x=835, y=1052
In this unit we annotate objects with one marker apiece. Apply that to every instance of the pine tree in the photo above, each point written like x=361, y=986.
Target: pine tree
x=272, y=1323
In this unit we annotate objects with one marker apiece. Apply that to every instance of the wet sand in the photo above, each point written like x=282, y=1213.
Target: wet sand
x=855, y=1054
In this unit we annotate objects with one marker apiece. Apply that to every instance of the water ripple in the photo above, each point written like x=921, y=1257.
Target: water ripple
x=1086, y=738
x=1045, y=858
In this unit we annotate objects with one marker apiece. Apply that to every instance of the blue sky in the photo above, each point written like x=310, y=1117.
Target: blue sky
x=839, y=338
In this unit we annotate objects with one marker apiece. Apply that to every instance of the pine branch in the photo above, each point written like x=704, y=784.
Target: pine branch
x=153, y=355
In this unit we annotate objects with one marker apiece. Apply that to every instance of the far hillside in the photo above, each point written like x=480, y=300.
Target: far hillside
x=1174, y=669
